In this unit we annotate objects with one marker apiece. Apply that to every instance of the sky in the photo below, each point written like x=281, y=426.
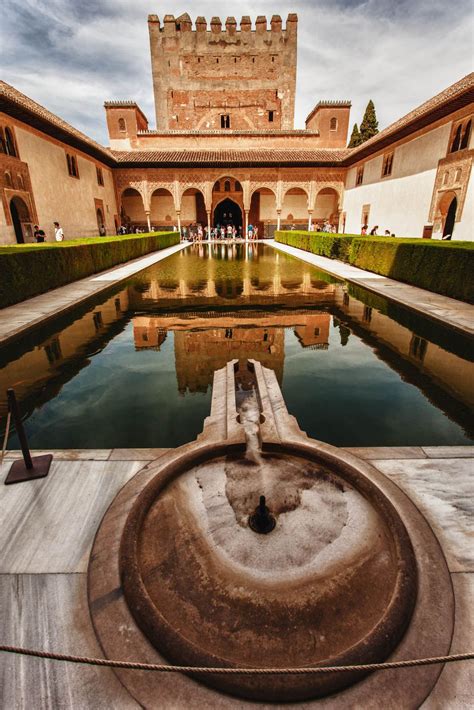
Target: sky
x=72, y=55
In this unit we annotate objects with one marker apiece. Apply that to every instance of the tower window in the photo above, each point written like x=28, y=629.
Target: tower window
x=10, y=143
x=225, y=121
x=100, y=176
x=270, y=116
x=333, y=124
x=227, y=186
x=121, y=125
x=360, y=175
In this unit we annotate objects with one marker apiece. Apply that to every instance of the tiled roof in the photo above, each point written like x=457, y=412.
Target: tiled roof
x=455, y=96
x=224, y=156
x=25, y=109
x=229, y=132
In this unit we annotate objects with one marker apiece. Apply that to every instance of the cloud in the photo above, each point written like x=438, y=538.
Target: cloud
x=71, y=56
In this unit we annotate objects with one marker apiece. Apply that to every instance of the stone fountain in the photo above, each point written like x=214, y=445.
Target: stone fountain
x=255, y=546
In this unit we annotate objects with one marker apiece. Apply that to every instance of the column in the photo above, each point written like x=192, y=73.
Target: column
x=310, y=214
x=148, y=220
x=208, y=212
x=246, y=224
x=178, y=215
x=278, y=219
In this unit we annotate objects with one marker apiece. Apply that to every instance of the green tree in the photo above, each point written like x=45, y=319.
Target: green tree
x=355, y=137
x=369, y=125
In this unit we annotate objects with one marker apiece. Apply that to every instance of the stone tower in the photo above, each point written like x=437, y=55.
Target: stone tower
x=223, y=78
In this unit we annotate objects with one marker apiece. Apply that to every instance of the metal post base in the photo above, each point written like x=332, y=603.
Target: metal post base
x=19, y=473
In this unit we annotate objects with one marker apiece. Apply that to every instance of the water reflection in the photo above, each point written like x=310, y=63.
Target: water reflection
x=155, y=343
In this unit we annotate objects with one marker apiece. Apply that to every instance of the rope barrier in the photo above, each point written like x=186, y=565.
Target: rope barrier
x=5, y=438
x=162, y=668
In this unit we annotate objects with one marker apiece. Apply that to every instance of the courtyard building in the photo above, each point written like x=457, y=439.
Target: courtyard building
x=225, y=150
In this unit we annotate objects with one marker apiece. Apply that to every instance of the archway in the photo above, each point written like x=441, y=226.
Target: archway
x=227, y=212
x=193, y=208
x=163, y=212
x=21, y=218
x=294, y=209
x=326, y=207
x=133, y=212
x=263, y=211
x=450, y=218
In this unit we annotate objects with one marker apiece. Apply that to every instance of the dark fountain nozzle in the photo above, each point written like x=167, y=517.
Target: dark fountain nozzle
x=262, y=521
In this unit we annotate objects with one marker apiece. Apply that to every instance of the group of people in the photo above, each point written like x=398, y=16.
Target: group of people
x=198, y=233
x=40, y=234
x=374, y=232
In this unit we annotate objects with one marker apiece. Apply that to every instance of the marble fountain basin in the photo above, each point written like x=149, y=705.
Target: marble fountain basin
x=333, y=583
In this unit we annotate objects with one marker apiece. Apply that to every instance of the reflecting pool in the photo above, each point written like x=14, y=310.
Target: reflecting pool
x=134, y=368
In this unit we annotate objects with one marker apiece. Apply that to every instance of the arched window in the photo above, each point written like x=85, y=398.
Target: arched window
x=3, y=148
x=333, y=124
x=8, y=179
x=217, y=186
x=238, y=186
x=466, y=135
x=456, y=140
x=227, y=186
x=20, y=183
x=10, y=143
x=122, y=125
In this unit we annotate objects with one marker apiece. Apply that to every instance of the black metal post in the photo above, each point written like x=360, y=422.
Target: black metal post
x=15, y=412
x=30, y=468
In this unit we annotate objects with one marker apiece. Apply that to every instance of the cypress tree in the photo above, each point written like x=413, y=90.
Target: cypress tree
x=355, y=137
x=369, y=125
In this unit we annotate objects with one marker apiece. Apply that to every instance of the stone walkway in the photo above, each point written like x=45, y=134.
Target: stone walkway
x=47, y=529
x=455, y=314
x=17, y=319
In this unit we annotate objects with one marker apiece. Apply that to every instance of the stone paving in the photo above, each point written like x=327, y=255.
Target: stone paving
x=47, y=529
x=455, y=314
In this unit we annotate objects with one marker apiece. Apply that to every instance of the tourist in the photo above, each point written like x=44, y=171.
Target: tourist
x=39, y=234
x=58, y=232
x=387, y=233
x=199, y=233
x=222, y=230
x=229, y=231
x=250, y=231
x=102, y=231
x=373, y=231
x=364, y=229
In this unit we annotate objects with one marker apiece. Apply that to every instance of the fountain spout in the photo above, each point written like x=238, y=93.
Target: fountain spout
x=262, y=521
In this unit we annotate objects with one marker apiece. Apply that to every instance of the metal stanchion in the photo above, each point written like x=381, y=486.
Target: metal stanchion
x=30, y=468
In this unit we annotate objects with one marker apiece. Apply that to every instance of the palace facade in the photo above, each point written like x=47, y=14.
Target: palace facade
x=224, y=146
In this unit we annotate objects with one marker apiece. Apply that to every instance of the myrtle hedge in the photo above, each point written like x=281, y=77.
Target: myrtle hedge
x=27, y=270
x=445, y=267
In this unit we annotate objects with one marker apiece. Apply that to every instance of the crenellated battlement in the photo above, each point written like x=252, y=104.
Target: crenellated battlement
x=179, y=26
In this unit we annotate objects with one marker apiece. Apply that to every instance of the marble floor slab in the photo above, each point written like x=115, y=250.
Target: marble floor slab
x=50, y=612
x=455, y=687
x=443, y=489
x=48, y=525
x=456, y=314
x=387, y=452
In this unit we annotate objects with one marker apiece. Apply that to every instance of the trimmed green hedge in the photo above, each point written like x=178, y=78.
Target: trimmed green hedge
x=27, y=270
x=445, y=267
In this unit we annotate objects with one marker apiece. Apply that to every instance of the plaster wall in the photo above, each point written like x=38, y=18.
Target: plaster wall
x=464, y=229
x=60, y=197
x=268, y=208
x=401, y=201
x=162, y=206
x=297, y=205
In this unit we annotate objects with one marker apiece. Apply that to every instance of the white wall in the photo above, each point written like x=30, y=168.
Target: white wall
x=400, y=202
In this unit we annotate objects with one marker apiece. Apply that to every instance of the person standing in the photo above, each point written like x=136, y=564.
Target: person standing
x=102, y=231
x=39, y=234
x=58, y=232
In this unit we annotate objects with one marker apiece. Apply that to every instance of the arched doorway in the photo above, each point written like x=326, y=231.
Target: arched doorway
x=21, y=219
x=132, y=209
x=326, y=207
x=163, y=212
x=227, y=212
x=450, y=218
